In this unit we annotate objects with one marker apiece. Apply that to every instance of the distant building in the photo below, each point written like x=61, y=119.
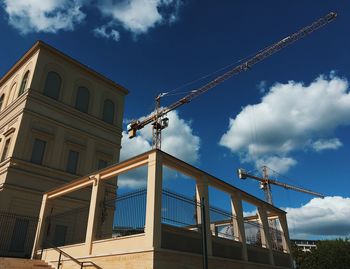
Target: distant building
x=305, y=245
x=59, y=120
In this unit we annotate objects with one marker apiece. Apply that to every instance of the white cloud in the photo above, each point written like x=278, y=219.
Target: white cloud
x=323, y=144
x=107, y=32
x=43, y=16
x=320, y=217
x=280, y=164
x=178, y=140
x=262, y=86
x=138, y=16
x=288, y=117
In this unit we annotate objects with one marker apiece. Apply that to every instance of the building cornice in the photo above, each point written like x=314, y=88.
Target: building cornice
x=72, y=112
x=42, y=45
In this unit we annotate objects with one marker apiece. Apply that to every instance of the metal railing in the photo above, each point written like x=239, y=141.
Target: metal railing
x=62, y=253
x=17, y=233
x=179, y=210
x=124, y=215
x=222, y=223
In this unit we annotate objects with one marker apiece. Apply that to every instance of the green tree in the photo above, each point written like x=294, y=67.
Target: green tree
x=329, y=254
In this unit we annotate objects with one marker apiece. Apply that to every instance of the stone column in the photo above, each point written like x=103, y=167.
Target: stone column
x=40, y=231
x=153, y=229
x=203, y=192
x=265, y=235
x=285, y=238
x=237, y=210
x=96, y=198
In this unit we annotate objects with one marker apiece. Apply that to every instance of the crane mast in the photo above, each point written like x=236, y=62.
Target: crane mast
x=157, y=117
x=266, y=182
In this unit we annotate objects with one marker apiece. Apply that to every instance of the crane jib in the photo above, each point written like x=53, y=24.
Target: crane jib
x=260, y=56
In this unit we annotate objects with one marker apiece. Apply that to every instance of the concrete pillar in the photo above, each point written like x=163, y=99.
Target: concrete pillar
x=40, y=231
x=285, y=238
x=153, y=229
x=96, y=198
x=265, y=235
x=237, y=211
x=202, y=191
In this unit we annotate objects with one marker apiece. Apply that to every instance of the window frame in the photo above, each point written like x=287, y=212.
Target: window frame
x=24, y=82
x=45, y=89
x=104, y=113
x=81, y=90
x=75, y=172
x=42, y=157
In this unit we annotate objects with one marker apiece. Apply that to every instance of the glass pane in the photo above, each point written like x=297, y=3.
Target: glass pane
x=19, y=235
x=23, y=84
x=38, y=151
x=59, y=237
x=52, y=85
x=108, y=111
x=102, y=164
x=82, y=101
x=72, y=164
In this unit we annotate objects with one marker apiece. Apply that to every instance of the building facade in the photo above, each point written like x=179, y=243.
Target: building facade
x=58, y=120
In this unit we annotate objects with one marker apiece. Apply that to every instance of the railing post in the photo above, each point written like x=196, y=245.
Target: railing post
x=237, y=210
x=204, y=234
x=59, y=260
x=203, y=192
x=92, y=218
x=266, y=236
x=153, y=227
x=40, y=231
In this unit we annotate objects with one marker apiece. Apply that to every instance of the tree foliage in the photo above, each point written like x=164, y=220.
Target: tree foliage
x=329, y=254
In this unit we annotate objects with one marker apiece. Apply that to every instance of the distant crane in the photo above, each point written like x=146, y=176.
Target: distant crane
x=265, y=184
x=160, y=122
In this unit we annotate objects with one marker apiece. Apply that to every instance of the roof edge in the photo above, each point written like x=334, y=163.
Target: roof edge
x=41, y=44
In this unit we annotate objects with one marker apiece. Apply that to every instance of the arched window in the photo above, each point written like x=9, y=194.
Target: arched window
x=23, y=84
x=11, y=95
x=108, y=111
x=82, y=100
x=53, y=85
x=2, y=101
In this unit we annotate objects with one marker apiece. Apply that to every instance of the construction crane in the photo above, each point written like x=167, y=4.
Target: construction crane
x=265, y=184
x=158, y=117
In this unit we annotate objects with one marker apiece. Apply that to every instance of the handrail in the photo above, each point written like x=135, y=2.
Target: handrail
x=61, y=252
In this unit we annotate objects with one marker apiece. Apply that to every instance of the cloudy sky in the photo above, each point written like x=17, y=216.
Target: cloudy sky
x=291, y=112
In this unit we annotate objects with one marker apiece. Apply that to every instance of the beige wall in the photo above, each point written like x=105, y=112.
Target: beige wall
x=33, y=115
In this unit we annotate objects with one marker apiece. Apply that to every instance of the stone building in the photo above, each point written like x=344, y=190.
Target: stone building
x=59, y=120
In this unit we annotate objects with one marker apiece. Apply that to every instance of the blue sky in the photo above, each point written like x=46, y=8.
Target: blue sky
x=291, y=112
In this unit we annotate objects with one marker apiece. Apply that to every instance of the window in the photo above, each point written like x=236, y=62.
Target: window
x=38, y=151
x=5, y=150
x=82, y=100
x=1, y=101
x=23, y=84
x=53, y=85
x=11, y=93
x=102, y=164
x=59, y=237
x=19, y=235
x=72, y=163
x=108, y=111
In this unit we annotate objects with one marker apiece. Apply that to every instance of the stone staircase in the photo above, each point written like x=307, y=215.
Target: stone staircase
x=14, y=263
